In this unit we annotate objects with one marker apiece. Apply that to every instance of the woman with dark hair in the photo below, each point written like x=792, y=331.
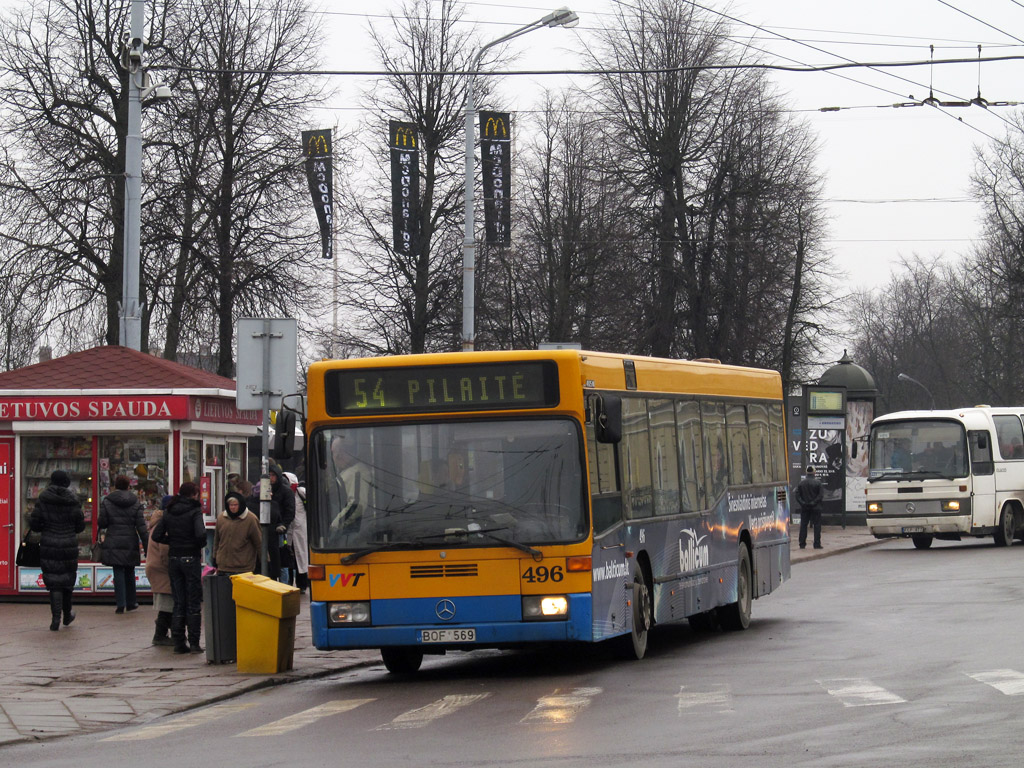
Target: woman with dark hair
x=58, y=516
x=121, y=516
x=183, y=530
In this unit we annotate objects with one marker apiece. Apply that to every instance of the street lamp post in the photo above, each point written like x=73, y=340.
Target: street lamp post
x=904, y=377
x=563, y=17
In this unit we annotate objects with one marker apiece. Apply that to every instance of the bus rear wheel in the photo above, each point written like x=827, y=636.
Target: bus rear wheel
x=922, y=540
x=736, y=615
x=402, y=660
x=1006, y=529
x=634, y=645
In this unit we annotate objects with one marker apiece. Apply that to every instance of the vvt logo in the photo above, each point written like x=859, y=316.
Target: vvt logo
x=346, y=579
x=692, y=554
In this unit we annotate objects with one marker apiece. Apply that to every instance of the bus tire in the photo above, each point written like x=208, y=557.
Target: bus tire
x=634, y=645
x=736, y=616
x=1004, y=533
x=402, y=660
x=921, y=540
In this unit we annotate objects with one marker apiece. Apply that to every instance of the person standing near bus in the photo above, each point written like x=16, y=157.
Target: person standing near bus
x=809, y=495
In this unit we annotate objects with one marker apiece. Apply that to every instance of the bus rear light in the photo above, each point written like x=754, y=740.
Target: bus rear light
x=316, y=573
x=953, y=505
x=583, y=563
x=339, y=614
x=545, y=607
x=874, y=507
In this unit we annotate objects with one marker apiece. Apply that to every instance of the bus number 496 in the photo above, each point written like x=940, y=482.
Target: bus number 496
x=542, y=573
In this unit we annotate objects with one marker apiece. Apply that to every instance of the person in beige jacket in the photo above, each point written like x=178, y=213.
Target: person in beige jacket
x=236, y=538
x=159, y=581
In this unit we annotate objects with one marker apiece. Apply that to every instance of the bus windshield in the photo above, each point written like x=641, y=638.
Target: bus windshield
x=449, y=484
x=917, y=449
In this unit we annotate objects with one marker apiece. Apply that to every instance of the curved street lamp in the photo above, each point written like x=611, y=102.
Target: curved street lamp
x=904, y=377
x=563, y=17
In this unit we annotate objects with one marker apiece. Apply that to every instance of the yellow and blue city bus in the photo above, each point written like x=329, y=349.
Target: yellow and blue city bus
x=496, y=499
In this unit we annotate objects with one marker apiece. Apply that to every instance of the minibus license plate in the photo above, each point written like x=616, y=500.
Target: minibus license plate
x=466, y=635
x=913, y=529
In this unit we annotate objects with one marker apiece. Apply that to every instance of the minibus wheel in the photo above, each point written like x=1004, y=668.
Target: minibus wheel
x=922, y=540
x=1006, y=529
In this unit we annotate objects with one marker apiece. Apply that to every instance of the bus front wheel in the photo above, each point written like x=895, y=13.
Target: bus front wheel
x=1006, y=529
x=737, y=615
x=922, y=540
x=634, y=645
x=402, y=661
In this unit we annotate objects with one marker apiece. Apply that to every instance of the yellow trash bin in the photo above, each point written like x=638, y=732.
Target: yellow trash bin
x=265, y=612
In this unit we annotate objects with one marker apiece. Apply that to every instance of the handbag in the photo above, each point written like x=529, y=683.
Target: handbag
x=96, y=552
x=28, y=554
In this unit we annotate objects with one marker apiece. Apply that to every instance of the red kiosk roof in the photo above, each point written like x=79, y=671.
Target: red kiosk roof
x=112, y=367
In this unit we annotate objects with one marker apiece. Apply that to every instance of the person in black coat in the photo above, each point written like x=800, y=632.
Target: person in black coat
x=121, y=515
x=809, y=494
x=282, y=513
x=58, y=516
x=183, y=530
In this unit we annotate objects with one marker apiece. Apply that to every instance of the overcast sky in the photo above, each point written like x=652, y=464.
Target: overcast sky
x=897, y=179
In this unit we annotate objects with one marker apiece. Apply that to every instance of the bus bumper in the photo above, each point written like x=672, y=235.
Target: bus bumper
x=577, y=626
x=888, y=527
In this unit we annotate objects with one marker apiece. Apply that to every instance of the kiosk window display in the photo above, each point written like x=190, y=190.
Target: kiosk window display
x=40, y=457
x=140, y=458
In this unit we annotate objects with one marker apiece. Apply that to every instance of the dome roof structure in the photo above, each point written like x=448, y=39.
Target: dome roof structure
x=846, y=373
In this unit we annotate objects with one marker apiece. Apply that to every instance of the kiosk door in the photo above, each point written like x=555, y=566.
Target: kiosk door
x=8, y=545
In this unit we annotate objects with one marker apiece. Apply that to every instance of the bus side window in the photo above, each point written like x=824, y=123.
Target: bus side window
x=605, y=499
x=981, y=452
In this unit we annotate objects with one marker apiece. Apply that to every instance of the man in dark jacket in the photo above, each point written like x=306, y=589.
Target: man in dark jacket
x=58, y=516
x=121, y=516
x=809, y=495
x=282, y=512
x=183, y=531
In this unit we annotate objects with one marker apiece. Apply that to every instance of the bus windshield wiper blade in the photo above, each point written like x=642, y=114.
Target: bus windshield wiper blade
x=353, y=556
x=888, y=476
x=535, y=553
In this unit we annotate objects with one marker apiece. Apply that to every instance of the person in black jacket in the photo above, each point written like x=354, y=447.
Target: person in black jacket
x=282, y=513
x=121, y=514
x=809, y=495
x=183, y=530
x=58, y=516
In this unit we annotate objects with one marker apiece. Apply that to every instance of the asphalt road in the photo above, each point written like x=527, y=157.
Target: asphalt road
x=886, y=656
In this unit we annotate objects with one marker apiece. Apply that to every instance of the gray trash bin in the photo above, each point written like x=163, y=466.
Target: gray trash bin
x=219, y=619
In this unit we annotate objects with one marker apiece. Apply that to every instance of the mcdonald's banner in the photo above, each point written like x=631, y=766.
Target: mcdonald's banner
x=405, y=186
x=496, y=152
x=316, y=147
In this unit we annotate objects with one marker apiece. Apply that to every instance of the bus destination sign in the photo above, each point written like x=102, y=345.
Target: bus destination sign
x=441, y=388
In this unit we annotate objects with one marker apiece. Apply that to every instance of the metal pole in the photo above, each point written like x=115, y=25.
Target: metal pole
x=469, y=242
x=131, y=315
x=265, y=454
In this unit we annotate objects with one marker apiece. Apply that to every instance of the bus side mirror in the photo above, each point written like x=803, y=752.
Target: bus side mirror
x=609, y=419
x=284, y=436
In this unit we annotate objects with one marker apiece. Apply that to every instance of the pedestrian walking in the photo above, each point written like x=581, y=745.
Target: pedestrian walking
x=182, y=528
x=58, y=516
x=809, y=495
x=121, y=516
x=159, y=580
x=237, y=537
x=296, y=533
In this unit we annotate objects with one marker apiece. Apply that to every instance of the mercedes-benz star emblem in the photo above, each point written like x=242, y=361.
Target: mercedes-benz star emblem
x=445, y=610
x=911, y=507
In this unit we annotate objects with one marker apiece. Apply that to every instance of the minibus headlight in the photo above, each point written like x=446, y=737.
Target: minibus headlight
x=347, y=614
x=874, y=507
x=952, y=505
x=545, y=607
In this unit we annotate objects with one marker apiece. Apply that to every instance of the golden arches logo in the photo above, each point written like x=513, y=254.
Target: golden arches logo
x=493, y=125
x=317, y=145
x=405, y=136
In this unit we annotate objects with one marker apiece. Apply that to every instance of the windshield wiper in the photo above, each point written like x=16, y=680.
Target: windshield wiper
x=353, y=556
x=459, y=533
x=917, y=474
x=535, y=553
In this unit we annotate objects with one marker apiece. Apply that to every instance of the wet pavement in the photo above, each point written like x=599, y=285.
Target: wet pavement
x=103, y=672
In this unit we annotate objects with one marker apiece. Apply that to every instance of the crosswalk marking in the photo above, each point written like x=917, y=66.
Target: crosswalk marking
x=859, y=692
x=719, y=699
x=418, y=718
x=300, y=719
x=1008, y=681
x=193, y=718
x=561, y=706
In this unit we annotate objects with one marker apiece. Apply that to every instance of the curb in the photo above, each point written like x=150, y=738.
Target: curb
x=838, y=551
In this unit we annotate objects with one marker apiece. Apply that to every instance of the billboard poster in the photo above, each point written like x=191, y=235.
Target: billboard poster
x=859, y=414
x=496, y=151
x=825, y=454
x=405, y=187
x=316, y=148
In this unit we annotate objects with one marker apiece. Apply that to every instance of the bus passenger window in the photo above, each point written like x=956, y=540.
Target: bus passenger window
x=665, y=464
x=636, y=457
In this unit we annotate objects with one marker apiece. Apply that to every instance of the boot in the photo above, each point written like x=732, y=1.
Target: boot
x=69, y=615
x=195, y=621
x=55, y=602
x=302, y=581
x=178, y=634
x=163, y=624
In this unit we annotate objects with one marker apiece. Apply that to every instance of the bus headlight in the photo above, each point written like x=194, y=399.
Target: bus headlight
x=339, y=614
x=874, y=507
x=953, y=505
x=545, y=607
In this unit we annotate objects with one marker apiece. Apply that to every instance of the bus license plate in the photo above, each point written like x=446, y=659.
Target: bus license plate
x=467, y=635
x=913, y=529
